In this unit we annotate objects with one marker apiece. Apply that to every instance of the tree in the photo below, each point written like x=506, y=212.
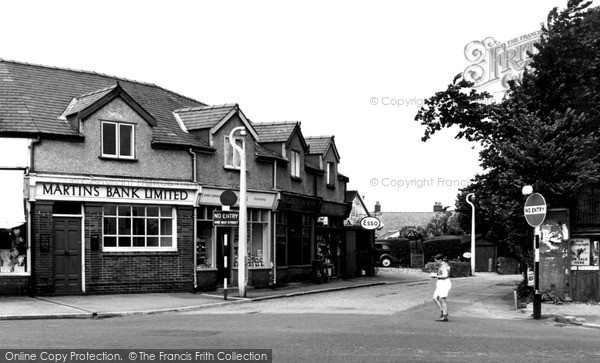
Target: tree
x=443, y=223
x=413, y=233
x=543, y=133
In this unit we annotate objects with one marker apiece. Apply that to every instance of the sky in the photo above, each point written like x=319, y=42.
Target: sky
x=358, y=70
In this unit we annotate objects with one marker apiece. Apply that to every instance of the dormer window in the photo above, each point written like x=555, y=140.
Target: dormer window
x=295, y=164
x=117, y=140
x=232, y=157
x=330, y=172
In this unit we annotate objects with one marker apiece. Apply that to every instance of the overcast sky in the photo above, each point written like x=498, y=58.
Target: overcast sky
x=338, y=67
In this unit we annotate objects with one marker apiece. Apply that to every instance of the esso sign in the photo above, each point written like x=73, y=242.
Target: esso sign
x=467, y=255
x=370, y=223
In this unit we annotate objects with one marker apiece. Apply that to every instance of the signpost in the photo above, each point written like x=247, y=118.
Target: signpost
x=229, y=218
x=535, y=213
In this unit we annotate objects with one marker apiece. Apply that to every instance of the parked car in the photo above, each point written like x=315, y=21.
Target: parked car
x=383, y=254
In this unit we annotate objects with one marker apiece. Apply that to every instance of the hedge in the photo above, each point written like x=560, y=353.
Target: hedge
x=457, y=269
x=449, y=246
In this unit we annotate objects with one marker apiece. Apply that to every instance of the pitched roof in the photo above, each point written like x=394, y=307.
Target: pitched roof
x=82, y=102
x=349, y=198
x=394, y=221
x=320, y=145
x=204, y=117
x=275, y=131
x=33, y=97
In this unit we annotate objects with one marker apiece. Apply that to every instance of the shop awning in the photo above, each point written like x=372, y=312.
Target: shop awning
x=12, y=210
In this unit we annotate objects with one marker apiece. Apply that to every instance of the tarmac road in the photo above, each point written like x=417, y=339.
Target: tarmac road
x=388, y=323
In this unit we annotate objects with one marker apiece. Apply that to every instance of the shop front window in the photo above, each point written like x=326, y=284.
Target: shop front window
x=14, y=251
x=139, y=228
x=257, y=236
x=299, y=238
x=205, y=245
x=281, y=239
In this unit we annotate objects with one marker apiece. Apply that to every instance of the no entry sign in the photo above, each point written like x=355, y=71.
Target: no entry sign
x=535, y=209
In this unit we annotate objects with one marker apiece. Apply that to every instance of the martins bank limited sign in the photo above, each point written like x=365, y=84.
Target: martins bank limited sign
x=113, y=190
x=494, y=63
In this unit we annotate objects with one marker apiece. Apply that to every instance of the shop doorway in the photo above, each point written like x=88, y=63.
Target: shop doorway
x=222, y=251
x=67, y=255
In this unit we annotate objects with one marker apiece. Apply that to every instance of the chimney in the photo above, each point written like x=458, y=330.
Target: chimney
x=437, y=207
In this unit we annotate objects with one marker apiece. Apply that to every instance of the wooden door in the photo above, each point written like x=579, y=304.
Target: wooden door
x=67, y=255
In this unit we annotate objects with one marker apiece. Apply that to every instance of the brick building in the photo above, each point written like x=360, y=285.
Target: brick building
x=111, y=185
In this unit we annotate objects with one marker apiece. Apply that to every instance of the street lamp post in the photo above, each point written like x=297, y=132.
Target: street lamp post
x=472, y=233
x=242, y=245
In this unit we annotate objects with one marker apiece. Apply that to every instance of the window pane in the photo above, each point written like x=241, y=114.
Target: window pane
x=152, y=211
x=139, y=211
x=139, y=242
x=152, y=226
x=139, y=226
x=124, y=226
x=109, y=139
x=125, y=134
x=152, y=241
x=110, y=225
x=166, y=241
x=110, y=241
x=166, y=227
x=110, y=210
x=166, y=211
x=124, y=241
x=124, y=210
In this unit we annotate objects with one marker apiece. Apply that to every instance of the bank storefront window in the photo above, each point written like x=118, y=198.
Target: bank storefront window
x=139, y=228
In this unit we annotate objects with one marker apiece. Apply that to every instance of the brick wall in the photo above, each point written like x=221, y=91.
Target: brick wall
x=43, y=245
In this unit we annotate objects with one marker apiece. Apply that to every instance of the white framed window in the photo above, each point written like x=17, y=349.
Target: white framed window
x=330, y=172
x=118, y=140
x=232, y=157
x=295, y=164
x=139, y=228
x=258, y=237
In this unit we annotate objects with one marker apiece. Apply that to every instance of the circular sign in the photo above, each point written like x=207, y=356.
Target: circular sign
x=535, y=209
x=467, y=255
x=370, y=223
x=228, y=197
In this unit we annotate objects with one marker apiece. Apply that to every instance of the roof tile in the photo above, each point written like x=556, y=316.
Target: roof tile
x=50, y=90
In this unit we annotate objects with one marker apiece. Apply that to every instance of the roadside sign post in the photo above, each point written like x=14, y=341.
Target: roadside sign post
x=226, y=217
x=535, y=213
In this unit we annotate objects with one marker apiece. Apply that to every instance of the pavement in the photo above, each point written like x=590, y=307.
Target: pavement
x=114, y=305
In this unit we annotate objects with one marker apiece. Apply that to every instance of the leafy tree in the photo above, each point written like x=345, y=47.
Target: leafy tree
x=413, y=233
x=543, y=133
x=444, y=223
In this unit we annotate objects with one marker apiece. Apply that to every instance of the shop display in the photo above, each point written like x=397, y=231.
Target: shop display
x=13, y=251
x=204, y=248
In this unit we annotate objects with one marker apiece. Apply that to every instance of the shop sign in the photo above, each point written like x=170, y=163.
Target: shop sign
x=580, y=252
x=226, y=218
x=299, y=204
x=116, y=191
x=370, y=223
x=259, y=200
